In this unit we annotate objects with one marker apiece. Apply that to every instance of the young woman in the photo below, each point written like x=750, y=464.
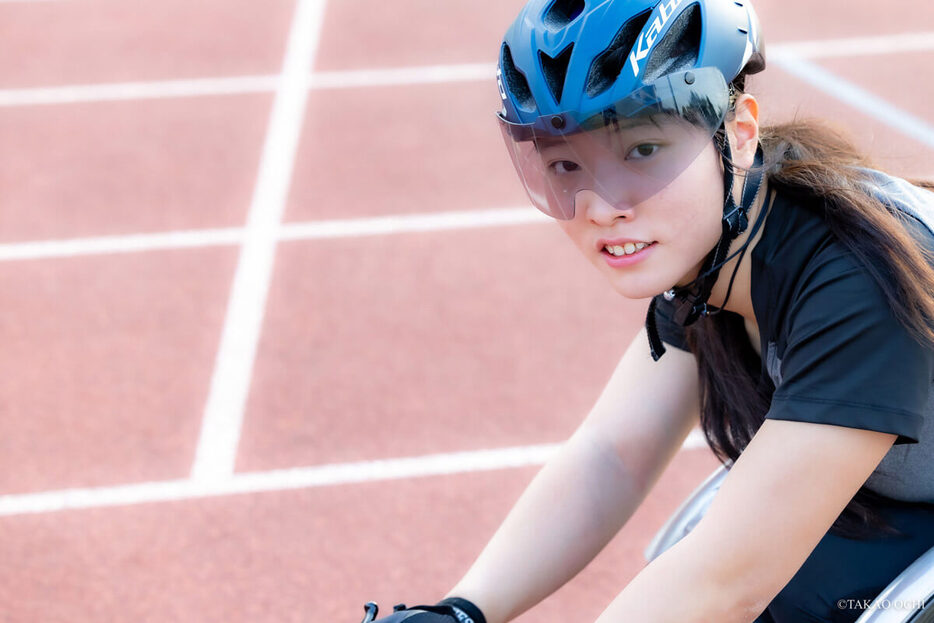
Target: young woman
x=796, y=288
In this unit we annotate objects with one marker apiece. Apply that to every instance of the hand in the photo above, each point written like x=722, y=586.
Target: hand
x=450, y=610
x=415, y=614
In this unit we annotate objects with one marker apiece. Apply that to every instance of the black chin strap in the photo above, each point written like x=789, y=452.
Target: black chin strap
x=691, y=299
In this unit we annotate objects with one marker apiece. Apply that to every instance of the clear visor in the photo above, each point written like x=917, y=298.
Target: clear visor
x=626, y=153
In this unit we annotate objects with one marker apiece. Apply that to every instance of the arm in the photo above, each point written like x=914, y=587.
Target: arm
x=590, y=488
x=779, y=499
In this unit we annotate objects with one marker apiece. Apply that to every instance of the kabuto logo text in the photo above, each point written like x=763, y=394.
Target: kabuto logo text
x=648, y=37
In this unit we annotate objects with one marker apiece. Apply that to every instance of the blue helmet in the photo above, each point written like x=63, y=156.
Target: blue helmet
x=585, y=55
x=570, y=70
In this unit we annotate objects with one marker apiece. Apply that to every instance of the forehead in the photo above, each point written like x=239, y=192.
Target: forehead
x=615, y=124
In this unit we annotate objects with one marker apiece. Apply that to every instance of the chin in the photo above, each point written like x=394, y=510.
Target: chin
x=650, y=278
x=638, y=288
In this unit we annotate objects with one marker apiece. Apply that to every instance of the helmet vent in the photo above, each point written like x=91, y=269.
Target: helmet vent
x=605, y=68
x=561, y=13
x=556, y=70
x=516, y=83
x=679, y=49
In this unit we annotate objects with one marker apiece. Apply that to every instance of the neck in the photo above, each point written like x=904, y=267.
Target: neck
x=740, y=300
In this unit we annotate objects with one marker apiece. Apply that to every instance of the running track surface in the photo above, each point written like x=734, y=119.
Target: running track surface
x=281, y=334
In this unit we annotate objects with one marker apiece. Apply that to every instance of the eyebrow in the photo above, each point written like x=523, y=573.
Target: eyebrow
x=630, y=122
x=545, y=143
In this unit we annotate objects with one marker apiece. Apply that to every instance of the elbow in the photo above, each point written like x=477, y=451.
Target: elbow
x=738, y=586
x=735, y=601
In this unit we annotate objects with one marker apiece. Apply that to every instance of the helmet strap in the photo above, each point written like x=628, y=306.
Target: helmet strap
x=691, y=299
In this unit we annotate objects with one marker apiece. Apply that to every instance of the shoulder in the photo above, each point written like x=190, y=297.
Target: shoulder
x=911, y=200
x=802, y=255
x=834, y=267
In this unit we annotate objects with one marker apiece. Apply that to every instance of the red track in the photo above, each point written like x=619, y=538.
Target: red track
x=372, y=346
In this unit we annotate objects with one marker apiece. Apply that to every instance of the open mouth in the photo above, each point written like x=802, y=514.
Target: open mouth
x=622, y=250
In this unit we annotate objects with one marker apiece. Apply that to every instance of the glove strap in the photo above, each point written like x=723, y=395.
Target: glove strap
x=465, y=611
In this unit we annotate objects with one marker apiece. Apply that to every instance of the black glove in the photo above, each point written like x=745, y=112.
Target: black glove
x=451, y=610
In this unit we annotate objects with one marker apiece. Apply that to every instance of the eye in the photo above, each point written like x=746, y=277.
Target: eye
x=642, y=151
x=562, y=167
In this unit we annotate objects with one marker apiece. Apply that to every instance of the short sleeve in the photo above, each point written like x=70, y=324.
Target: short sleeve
x=668, y=330
x=848, y=361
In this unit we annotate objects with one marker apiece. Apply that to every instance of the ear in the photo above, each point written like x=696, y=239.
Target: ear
x=742, y=129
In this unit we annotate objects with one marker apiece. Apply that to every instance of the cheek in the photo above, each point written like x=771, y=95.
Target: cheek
x=692, y=209
x=695, y=204
x=575, y=232
x=698, y=223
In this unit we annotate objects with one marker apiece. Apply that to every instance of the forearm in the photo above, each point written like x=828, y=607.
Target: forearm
x=569, y=512
x=686, y=585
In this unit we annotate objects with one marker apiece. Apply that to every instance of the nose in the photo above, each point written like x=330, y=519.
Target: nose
x=592, y=206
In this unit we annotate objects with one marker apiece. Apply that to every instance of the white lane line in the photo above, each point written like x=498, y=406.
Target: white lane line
x=412, y=223
x=860, y=99
x=313, y=230
x=435, y=74
x=288, y=479
x=237, y=85
x=401, y=76
x=223, y=414
x=855, y=46
x=136, y=243
x=122, y=91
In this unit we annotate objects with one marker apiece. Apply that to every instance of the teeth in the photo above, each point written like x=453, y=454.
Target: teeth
x=627, y=249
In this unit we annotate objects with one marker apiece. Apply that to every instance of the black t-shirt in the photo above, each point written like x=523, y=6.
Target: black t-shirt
x=832, y=347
